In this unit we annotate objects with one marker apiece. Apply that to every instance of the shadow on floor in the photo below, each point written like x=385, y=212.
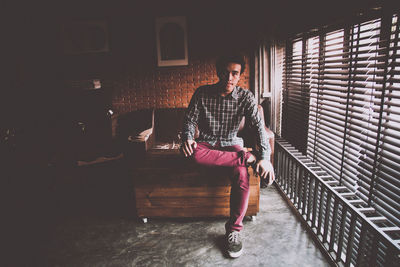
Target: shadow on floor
x=104, y=190
x=38, y=199
x=86, y=217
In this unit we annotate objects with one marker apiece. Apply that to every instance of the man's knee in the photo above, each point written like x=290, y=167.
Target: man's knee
x=198, y=155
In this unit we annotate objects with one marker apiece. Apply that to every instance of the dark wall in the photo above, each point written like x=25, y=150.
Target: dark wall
x=36, y=92
x=38, y=73
x=38, y=101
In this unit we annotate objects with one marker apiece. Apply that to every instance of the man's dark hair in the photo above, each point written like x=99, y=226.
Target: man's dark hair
x=223, y=61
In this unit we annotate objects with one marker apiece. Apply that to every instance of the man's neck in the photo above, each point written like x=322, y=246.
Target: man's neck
x=223, y=91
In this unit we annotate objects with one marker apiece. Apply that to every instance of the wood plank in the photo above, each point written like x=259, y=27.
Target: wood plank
x=187, y=202
x=179, y=212
x=378, y=219
x=151, y=191
x=155, y=212
x=191, y=202
x=393, y=229
x=167, y=177
x=185, y=181
x=168, y=185
x=188, y=182
x=366, y=210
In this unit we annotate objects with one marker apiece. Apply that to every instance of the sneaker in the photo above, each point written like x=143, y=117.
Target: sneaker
x=234, y=244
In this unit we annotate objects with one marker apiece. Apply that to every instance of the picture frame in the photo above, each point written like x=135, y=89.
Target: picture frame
x=80, y=37
x=171, y=41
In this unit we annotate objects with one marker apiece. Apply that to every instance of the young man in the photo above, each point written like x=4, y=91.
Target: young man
x=216, y=110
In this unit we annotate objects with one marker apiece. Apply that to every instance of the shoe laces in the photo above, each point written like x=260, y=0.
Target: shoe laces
x=233, y=237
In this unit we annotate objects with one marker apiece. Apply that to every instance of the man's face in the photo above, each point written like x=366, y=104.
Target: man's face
x=229, y=78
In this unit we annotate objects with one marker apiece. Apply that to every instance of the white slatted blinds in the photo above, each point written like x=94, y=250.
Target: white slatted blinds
x=342, y=106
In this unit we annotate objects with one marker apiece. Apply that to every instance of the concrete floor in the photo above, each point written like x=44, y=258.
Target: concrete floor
x=95, y=225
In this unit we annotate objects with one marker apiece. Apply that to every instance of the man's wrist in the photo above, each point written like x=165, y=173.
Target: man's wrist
x=261, y=155
x=264, y=155
x=185, y=137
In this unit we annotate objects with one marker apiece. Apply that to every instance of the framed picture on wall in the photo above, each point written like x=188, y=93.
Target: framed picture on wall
x=171, y=38
x=85, y=37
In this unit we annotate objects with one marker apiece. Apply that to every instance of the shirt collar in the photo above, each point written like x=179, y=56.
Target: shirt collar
x=234, y=94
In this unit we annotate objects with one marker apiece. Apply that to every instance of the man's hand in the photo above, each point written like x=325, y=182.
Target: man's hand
x=188, y=146
x=263, y=168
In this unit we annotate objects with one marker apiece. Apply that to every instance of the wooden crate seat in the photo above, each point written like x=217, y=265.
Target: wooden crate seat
x=168, y=185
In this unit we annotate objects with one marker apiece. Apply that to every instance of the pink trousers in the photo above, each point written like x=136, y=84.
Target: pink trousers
x=234, y=158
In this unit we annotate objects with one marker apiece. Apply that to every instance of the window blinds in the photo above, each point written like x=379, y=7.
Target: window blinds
x=341, y=92
x=295, y=97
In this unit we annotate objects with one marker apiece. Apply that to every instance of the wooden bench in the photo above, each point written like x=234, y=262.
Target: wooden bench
x=168, y=185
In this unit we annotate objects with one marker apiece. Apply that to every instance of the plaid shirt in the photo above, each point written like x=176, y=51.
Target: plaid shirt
x=218, y=118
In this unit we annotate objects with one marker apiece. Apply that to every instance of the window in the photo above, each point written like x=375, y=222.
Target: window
x=341, y=106
x=268, y=80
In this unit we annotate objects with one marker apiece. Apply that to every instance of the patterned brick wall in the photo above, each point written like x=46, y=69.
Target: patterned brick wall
x=167, y=87
x=128, y=71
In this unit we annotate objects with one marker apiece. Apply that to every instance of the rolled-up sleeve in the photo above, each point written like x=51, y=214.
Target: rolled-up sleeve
x=191, y=118
x=253, y=115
